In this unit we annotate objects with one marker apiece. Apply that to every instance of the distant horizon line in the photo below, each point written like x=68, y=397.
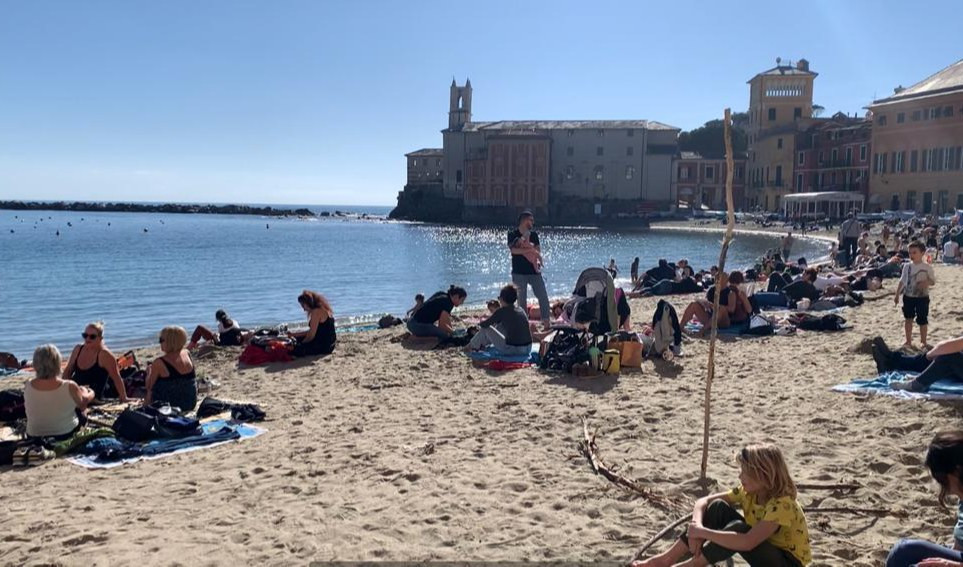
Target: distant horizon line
x=240, y=203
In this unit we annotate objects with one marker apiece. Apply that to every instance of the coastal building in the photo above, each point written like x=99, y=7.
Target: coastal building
x=566, y=170
x=699, y=182
x=917, y=142
x=780, y=107
x=424, y=165
x=833, y=154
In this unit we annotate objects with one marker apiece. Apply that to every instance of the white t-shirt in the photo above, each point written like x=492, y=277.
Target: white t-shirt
x=222, y=329
x=822, y=283
x=914, y=273
x=950, y=249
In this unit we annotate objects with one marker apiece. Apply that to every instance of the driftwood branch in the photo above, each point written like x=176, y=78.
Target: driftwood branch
x=857, y=511
x=660, y=535
x=842, y=486
x=591, y=450
x=723, y=252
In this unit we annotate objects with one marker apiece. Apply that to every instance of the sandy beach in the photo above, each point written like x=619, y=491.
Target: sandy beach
x=380, y=453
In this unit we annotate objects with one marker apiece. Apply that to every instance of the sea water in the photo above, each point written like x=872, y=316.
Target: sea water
x=138, y=272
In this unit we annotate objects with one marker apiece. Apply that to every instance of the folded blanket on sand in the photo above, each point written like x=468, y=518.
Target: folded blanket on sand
x=156, y=449
x=692, y=327
x=941, y=390
x=490, y=354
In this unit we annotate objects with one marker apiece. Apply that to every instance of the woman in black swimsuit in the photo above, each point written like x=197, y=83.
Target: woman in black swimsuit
x=91, y=364
x=321, y=336
x=171, y=378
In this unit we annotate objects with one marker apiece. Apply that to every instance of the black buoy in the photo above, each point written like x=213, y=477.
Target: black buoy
x=58, y=233
x=145, y=230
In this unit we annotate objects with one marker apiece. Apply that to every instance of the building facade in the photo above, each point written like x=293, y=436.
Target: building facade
x=563, y=168
x=780, y=106
x=917, y=142
x=833, y=154
x=424, y=165
x=700, y=182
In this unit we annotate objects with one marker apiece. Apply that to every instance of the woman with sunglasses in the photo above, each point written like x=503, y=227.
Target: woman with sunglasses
x=171, y=378
x=91, y=364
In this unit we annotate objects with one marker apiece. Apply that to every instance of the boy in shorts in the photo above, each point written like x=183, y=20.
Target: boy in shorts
x=914, y=287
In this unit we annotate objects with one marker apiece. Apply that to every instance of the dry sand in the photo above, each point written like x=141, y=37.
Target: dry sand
x=379, y=453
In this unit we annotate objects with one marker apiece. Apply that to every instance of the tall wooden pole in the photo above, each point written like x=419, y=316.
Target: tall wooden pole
x=711, y=370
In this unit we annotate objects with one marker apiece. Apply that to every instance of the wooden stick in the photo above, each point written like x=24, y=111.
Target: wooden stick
x=711, y=364
x=660, y=535
x=590, y=449
x=860, y=511
x=844, y=486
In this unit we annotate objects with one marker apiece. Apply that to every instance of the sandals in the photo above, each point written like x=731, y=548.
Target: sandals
x=31, y=456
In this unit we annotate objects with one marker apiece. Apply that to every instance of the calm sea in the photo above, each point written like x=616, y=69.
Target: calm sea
x=138, y=272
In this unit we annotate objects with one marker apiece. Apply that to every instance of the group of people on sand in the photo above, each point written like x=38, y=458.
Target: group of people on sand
x=57, y=398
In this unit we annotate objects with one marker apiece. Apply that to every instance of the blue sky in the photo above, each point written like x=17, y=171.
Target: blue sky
x=316, y=102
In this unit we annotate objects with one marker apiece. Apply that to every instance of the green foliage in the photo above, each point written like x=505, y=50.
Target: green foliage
x=708, y=139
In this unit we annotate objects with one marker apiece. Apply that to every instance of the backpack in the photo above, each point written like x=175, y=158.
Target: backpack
x=830, y=322
x=135, y=425
x=568, y=348
x=11, y=405
x=760, y=325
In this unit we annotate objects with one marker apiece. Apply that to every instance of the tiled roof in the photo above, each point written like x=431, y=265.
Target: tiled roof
x=947, y=80
x=426, y=152
x=533, y=125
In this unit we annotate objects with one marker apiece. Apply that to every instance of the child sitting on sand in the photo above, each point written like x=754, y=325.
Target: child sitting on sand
x=771, y=530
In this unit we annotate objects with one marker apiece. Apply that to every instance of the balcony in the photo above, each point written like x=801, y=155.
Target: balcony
x=831, y=163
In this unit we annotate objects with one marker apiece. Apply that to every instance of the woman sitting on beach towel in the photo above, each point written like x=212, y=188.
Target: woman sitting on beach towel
x=321, y=336
x=944, y=459
x=171, y=378
x=54, y=406
x=434, y=319
x=229, y=332
x=91, y=364
x=507, y=330
x=734, y=306
x=771, y=530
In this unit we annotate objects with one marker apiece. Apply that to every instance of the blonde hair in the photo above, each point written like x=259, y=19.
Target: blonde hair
x=46, y=361
x=765, y=464
x=173, y=339
x=99, y=325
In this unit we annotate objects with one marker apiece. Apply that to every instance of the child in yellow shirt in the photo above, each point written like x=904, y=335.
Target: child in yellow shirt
x=770, y=532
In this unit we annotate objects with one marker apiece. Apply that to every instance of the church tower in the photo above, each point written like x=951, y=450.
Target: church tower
x=459, y=108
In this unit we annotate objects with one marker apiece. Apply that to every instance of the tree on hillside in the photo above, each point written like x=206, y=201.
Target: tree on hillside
x=708, y=140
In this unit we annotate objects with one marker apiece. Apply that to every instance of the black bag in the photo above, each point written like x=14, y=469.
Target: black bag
x=568, y=348
x=247, y=413
x=211, y=406
x=135, y=425
x=830, y=322
x=11, y=405
x=170, y=422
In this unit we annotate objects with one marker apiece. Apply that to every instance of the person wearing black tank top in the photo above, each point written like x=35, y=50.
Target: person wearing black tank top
x=92, y=364
x=171, y=378
x=321, y=336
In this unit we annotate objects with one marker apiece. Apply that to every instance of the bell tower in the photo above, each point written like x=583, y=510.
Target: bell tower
x=459, y=107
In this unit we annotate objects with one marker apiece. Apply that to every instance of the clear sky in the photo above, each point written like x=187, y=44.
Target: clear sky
x=316, y=102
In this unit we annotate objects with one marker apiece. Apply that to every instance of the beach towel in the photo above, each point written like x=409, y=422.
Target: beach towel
x=940, y=390
x=216, y=432
x=490, y=354
x=693, y=327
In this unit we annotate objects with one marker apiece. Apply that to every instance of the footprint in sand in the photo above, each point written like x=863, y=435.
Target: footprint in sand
x=881, y=467
x=86, y=538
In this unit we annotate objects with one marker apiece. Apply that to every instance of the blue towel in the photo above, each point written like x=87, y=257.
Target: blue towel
x=490, y=354
x=735, y=330
x=941, y=390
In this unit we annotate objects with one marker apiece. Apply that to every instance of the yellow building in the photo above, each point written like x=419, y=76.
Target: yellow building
x=780, y=105
x=917, y=146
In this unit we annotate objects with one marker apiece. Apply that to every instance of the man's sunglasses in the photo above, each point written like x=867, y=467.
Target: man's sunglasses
x=91, y=336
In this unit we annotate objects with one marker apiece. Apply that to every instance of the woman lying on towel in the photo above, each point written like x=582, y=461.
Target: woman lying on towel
x=55, y=407
x=321, y=335
x=434, y=319
x=171, y=378
x=734, y=306
x=507, y=330
x=91, y=364
x=945, y=461
x=771, y=529
x=943, y=362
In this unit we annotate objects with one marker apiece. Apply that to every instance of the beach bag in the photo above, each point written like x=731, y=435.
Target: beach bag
x=760, y=325
x=629, y=347
x=611, y=362
x=170, y=422
x=11, y=405
x=568, y=348
x=135, y=425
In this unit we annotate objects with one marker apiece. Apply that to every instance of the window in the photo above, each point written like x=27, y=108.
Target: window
x=778, y=143
x=934, y=113
x=630, y=150
x=835, y=156
x=630, y=133
x=799, y=183
x=862, y=152
x=414, y=163
x=458, y=176
x=570, y=172
x=600, y=133
x=570, y=151
x=599, y=173
x=821, y=157
x=832, y=178
x=937, y=112
x=710, y=172
x=571, y=133
x=849, y=156
x=599, y=150
x=629, y=172
x=802, y=158
x=947, y=157
x=911, y=200
x=438, y=162
x=683, y=172
x=916, y=116
x=925, y=160
x=900, y=117
x=901, y=162
x=772, y=114
x=914, y=161
x=778, y=176
x=881, y=120
x=947, y=111
x=739, y=172
x=796, y=113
